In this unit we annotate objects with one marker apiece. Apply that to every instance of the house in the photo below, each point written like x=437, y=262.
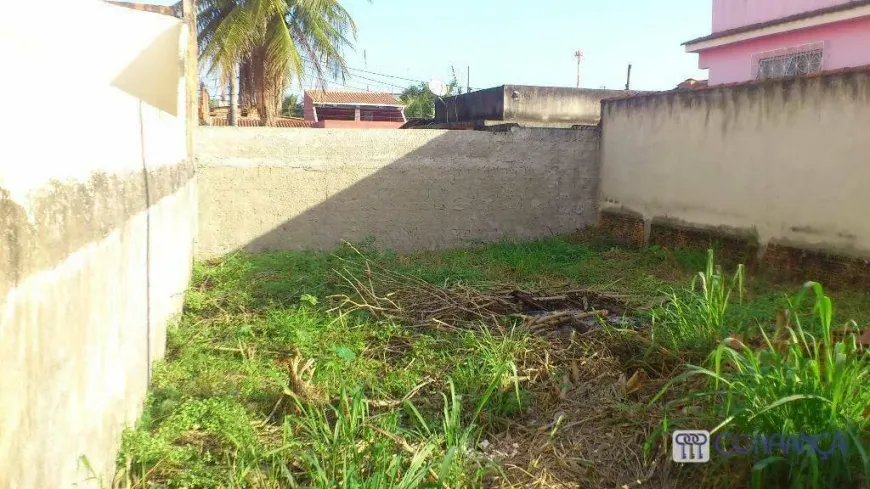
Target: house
x=759, y=39
x=330, y=109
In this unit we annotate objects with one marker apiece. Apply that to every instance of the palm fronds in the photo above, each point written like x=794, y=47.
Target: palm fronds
x=272, y=42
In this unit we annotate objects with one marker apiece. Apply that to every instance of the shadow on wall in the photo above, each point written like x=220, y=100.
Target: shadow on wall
x=149, y=78
x=279, y=189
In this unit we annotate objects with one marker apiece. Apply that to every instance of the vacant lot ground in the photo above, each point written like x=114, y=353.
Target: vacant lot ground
x=507, y=365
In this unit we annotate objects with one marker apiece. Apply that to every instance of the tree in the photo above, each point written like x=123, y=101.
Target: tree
x=272, y=42
x=291, y=106
x=420, y=101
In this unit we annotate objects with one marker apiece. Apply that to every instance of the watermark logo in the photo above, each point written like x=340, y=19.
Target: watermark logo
x=694, y=446
x=821, y=445
x=691, y=446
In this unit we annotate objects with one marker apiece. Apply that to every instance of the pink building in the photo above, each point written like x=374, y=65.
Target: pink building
x=757, y=39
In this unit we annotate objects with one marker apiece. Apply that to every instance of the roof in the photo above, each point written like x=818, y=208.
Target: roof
x=782, y=20
x=691, y=83
x=280, y=122
x=353, y=98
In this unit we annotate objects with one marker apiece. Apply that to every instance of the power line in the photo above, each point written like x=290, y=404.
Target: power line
x=352, y=76
x=351, y=68
x=379, y=82
x=339, y=84
x=400, y=87
x=385, y=75
x=311, y=72
x=314, y=64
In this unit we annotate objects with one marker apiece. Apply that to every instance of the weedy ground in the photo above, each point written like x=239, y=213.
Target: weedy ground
x=282, y=374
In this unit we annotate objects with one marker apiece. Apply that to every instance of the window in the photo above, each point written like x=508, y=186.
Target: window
x=789, y=63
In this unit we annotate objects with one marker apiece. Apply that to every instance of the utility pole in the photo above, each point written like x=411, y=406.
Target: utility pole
x=188, y=13
x=467, y=79
x=579, y=56
x=628, y=78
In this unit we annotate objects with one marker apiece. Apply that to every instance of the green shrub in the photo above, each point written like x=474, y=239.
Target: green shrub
x=346, y=445
x=696, y=318
x=795, y=384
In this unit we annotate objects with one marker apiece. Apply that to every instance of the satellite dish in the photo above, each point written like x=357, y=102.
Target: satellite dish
x=438, y=87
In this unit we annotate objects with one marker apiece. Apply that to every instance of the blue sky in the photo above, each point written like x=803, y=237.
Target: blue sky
x=530, y=42
x=523, y=42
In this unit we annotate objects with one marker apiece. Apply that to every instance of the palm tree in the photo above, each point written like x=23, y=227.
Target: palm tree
x=271, y=42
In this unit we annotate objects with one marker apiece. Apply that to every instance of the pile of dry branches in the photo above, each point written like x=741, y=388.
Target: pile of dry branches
x=386, y=294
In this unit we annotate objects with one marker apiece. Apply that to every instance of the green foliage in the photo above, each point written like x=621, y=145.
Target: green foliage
x=346, y=446
x=270, y=42
x=697, y=318
x=218, y=414
x=291, y=106
x=420, y=101
x=795, y=383
x=214, y=415
x=200, y=439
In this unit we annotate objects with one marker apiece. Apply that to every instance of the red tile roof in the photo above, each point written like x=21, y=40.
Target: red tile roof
x=783, y=20
x=292, y=122
x=280, y=122
x=351, y=98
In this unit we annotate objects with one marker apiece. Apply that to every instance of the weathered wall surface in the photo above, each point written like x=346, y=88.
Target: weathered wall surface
x=97, y=220
x=477, y=105
x=786, y=160
x=522, y=103
x=555, y=104
x=279, y=189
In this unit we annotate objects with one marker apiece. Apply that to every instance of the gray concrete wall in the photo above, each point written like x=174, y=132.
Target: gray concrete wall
x=97, y=220
x=486, y=104
x=555, y=104
x=527, y=104
x=282, y=189
x=787, y=160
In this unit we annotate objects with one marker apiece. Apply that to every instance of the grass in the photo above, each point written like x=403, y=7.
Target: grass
x=264, y=386
x=698, y=318
x=794, y=384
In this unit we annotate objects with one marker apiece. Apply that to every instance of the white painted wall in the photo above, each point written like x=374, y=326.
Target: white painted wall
x=90, y=273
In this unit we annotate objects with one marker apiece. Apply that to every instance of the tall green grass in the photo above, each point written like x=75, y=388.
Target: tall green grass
x=210, y=420
x=346, y=445
x=696, y=318
x=796, y=383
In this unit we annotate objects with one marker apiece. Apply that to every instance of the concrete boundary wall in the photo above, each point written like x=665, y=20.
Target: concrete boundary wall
x=524, y=104
x=782, y=165
x=285, y=189
x=97, y=222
